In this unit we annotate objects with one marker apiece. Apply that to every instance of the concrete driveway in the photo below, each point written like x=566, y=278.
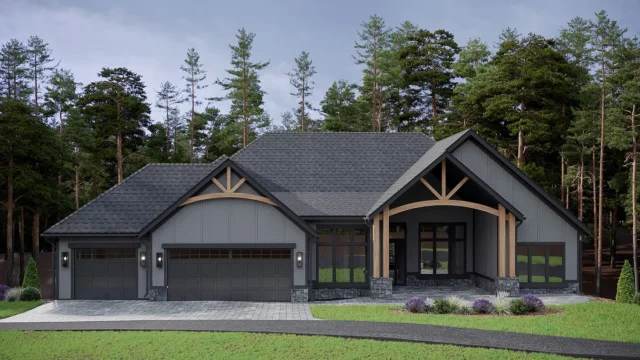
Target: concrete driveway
x=123, y=310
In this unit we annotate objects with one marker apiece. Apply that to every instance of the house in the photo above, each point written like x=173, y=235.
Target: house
x=311, y=216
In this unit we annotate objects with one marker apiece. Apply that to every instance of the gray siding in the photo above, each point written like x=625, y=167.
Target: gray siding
x=228, y=221
x=65, y=275
x=541, y=224
x=486, y=244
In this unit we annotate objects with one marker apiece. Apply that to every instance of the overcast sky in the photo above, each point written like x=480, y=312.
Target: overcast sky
x=152, y=39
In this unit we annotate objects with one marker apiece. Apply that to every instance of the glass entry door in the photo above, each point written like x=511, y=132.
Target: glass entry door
x=397, y=254
x=442, y=249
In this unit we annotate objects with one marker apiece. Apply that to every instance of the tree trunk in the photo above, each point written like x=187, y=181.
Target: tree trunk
x=35, y=88
x=613, y=243
x=245, y=132
x=94, y=185
x=595, y=211
x=520, y=149
x=168, y=131
x=600, y=181
x=21, y=238
x=562, y=178
x=193, y=114
x=634, y=196
x=302, y=115
x=77, y=186
x=35, y=234
x=581, y=186
x=10, y=218
x=566, y=201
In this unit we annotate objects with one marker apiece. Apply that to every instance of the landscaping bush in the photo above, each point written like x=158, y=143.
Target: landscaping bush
x=533, y=303
x=444, y=306
x=518, y=307
x=502, y=304
x=3, y=290
x=464, y=310
x=13, y=294
x=482, y=306
x=626, y=286
x=636, y=299
x=31, y=278
x=30, y=294
x=416, y=305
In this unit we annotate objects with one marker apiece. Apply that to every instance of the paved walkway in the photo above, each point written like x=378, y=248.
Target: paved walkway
x=124, y=310
x=467, y=294
x=370, y=330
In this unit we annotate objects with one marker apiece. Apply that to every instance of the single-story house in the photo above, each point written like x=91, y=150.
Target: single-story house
x=312, y=216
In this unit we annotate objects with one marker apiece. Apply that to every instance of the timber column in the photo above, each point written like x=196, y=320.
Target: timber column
x=381, y=285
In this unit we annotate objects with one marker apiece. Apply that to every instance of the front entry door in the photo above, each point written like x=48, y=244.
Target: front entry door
x=397, y=261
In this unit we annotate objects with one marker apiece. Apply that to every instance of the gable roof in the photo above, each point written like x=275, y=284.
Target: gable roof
x=128, y=207
x=331, y=174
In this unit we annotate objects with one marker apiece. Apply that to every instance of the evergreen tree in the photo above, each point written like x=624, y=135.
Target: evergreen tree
x=40, y=65
x=31, y=277
x=81, y=137
x=625, y=291
x=167, y=99
x=341, y=109
x=14, y=70
x=300, y=79
x=244, y=89
x=195, y=75
x=60, y=96
x=374, y=41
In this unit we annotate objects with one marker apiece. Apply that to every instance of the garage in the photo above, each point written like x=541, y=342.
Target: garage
x=230, y=274
x=105, y=274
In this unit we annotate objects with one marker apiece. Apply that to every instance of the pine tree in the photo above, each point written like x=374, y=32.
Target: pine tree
x=300, y=79
x=60, y=96
x=625, y=291
x=243, y=87
x=167, y=99
x=195, y=76
x=14, y=70
x=374, y=41
x=31, y=277
x=341, y=109
x=40, y=65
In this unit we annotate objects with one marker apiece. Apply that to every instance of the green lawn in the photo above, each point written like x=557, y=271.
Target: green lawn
x=539, y=278
x=201, y=345
x=14, y=308
x=342, y=275
x=537, y=260
x=593, y=320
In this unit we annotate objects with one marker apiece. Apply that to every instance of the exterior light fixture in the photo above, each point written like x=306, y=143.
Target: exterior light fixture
x=299, y=259
x=65, y=259
x=159, y=260
x=143, y=259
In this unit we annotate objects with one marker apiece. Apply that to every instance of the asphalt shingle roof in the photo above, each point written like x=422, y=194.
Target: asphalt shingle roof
x=331, y=174
x=128, y=207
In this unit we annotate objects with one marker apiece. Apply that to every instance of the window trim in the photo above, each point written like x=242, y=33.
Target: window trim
x=465, y=273
x=351, y=244
x=563, y=284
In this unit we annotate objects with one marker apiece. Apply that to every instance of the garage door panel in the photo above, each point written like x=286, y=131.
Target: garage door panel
x=269, y=281
x=192, y=270
x=105, y=274
x=223, y=267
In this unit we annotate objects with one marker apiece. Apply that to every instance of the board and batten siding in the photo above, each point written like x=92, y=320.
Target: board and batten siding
x=228, y=221
x=541, y=224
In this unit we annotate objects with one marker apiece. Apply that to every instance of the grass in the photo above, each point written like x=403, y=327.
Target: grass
x=14, y=308
x=593, y=320
x=342, y=275
x=539, y=260
x=201, y=345
x=540, y=279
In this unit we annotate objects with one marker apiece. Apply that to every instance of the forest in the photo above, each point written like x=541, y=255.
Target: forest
x=563, y=109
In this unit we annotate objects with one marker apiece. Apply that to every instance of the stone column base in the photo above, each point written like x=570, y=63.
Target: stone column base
x=158, y=293
x=299, y=295
x=381, y=288
x=508, y=284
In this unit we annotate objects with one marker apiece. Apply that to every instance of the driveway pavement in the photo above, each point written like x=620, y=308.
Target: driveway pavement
x=125, y=310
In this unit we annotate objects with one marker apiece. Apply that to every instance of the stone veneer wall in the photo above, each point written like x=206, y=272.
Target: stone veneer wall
x=334, y=294
x=572, y=288
x=381, y=288
x=158, y=293
x=413, y=280
x=508, y=284
x=299, y=295
x=485, y=284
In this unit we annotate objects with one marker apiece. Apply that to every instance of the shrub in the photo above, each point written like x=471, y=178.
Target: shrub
x=13, y=294
x=444, y=306
x=482, y=306
x=416, y=305
x=3, y=290
x=464, y=310
x=30, y=294
x=501, y=305
x=533, y=303
x=636, y=299
x=31, y=278
x=518, y=307
x=626, y=286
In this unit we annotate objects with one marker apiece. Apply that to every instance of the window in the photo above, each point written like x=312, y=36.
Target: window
x=342, y=256
x=540, y=264
x=442, y=249
x=99, y=254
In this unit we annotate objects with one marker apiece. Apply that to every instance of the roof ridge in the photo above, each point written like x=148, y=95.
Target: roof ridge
x=248, y=145
x=99, y=196
x=339, y=132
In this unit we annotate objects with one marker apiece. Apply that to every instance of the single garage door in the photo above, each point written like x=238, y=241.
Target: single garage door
x=230, y=275
x=105, y=274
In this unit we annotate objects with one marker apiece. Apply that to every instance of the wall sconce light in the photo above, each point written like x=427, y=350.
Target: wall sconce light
x=299, y=259
x=143, y=259
x=159, y=260
x=65, y=259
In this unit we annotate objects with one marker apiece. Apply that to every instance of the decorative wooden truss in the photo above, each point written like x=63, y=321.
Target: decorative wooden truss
x=228, y=192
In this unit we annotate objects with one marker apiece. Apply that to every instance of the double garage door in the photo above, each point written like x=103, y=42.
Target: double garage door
x=105, y=274
x=229, y=274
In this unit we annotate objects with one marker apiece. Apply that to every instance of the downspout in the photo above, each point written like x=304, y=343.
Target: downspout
x=54, y=265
